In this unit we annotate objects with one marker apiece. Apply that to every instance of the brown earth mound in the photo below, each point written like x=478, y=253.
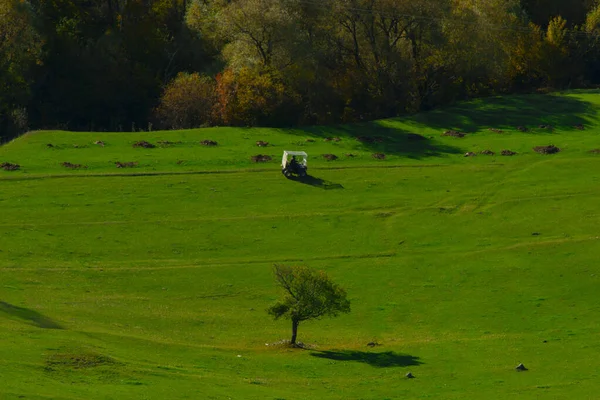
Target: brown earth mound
x=470, y=154
x=99, y=143
x=379, y=156
x=522, y=129
x=551, y=149
x=579, y=127
x=507, y=153
x=69, y=165
x=128, y=164
x=370, y=139
x=310, y=140
x=496, y=130
x=9, y=167
x=261, y=158
x=595, y=151
x=488, y=153
x=261, y=143
x=144, y=144
x=165, y=143
x=549, y=127
x=208, y=143
x=330, y=157
x=454, y=134
x=334, y=139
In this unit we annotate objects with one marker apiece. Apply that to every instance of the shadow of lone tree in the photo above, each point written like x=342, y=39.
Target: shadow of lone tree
x=382, y=360
x=308, y=294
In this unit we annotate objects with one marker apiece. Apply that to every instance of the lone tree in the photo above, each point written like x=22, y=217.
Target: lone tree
x=308, y=295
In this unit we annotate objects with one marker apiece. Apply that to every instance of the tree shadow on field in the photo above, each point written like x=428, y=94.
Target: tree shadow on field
x=531, y=111
x=381, y=360
x=377, y=137
x=30, y=316
x=502, y=112
x=316, y=182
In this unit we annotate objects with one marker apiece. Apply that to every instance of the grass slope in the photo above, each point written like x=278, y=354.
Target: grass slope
x=152, y=283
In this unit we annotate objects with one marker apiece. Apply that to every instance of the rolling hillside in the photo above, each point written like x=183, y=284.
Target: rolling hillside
x=151, y=281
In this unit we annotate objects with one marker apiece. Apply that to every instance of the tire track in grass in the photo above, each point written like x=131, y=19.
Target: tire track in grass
x=217, y=172
x=106, y=266
x=115, y=265
x=397, y=211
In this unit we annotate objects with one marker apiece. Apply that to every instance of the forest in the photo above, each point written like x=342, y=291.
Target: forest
x=131, y=65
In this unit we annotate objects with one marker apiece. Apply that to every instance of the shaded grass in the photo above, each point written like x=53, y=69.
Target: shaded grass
x=406, y=140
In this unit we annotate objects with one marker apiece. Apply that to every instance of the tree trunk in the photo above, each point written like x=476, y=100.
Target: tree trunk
x=295, y=324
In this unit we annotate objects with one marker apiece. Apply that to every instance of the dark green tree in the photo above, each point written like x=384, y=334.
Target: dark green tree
x=308, y=295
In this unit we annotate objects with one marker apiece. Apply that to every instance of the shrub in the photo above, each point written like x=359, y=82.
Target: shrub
x=187, y=102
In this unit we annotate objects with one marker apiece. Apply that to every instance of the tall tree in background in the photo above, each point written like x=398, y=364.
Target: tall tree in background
x=541, y=12
x=108, y=59
x=20, y=51
x=104, y=64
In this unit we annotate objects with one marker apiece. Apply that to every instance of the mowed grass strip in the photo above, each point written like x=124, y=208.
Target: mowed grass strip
x=156, y=286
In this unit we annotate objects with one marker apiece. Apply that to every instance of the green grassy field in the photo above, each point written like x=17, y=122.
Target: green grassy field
x=152, y=282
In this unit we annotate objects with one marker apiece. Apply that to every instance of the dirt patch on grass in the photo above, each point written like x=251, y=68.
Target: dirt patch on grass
x=595, y=151
x=378, y=156
x=370, y=139
x=551, y=149
x=496, y=130
x=547, y=127
x=310, y=140
x=208, y=143
x=127, y=164
x=9, y=166
x=166, y=143
x=69, y=165
x=77, y=361
x=454, y=134
x=261, y=143
x=144, y=144
x=286, y=344
x=261, y=158
x=330, y=157
x=100, y=143
x=579, y=127
x=522, y=129
x=332, y=139
x=507, y=153
x=470, y=154
x=488, y=153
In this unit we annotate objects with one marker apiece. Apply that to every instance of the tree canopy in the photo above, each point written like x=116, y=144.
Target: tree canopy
x=119, y=64
x=308, y=295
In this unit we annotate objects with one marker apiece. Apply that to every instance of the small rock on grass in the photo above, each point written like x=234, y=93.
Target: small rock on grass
x=520, y=367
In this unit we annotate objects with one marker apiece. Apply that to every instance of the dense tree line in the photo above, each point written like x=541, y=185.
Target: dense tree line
x=137, y=64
